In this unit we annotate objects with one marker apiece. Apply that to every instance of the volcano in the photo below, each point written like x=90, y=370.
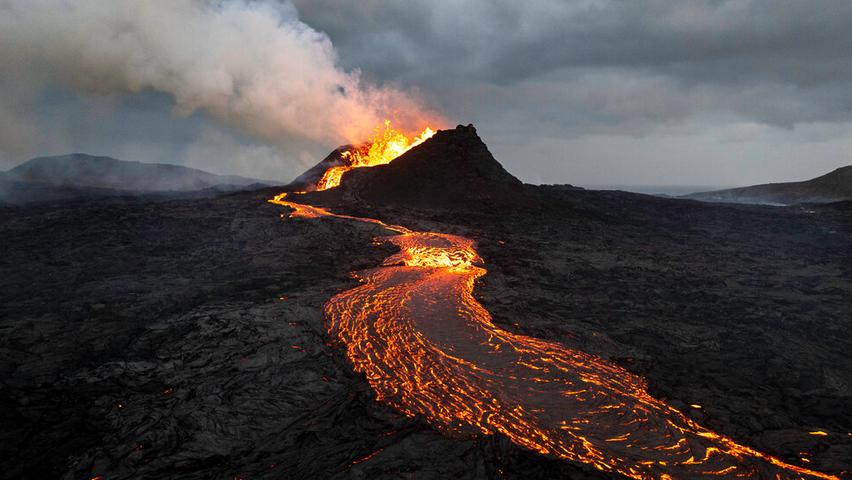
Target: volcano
x=492, y=330
x=452, y=170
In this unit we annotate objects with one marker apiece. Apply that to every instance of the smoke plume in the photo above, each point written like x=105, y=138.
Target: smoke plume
x=250, y=64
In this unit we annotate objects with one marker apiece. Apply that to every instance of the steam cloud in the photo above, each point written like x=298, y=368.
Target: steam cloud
x=251, y=64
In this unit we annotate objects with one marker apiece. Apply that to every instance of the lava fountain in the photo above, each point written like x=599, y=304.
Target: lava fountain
x=429, y=349
x=386, y=144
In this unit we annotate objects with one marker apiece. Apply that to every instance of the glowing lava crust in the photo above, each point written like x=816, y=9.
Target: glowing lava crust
x=428, y=348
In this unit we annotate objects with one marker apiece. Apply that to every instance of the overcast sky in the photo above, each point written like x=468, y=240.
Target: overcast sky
x=586, y=92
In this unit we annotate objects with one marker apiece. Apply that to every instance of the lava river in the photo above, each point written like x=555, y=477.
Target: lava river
x=428, y=348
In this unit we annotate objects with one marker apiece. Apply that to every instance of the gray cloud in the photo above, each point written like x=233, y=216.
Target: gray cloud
x=795, y=52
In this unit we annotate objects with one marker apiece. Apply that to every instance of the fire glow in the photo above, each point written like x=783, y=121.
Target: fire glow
x=386, y=144
x=429, y=349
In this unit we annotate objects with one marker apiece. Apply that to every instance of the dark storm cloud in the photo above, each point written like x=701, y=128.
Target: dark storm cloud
x=776, y=62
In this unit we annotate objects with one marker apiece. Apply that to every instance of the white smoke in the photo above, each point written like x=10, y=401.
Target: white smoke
x=251, y=64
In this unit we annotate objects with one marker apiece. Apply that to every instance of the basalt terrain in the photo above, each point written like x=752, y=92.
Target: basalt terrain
x=187, y=338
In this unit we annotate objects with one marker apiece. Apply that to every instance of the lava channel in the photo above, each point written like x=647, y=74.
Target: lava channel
x=429, y=349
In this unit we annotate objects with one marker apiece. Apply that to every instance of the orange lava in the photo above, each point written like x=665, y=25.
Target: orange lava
x=428, y=348
x=385, y=145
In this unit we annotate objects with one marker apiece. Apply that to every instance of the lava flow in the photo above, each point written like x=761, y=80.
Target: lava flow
x=429, y=349
x=385, y=145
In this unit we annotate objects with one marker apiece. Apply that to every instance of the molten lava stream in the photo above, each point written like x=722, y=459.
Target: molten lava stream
x=428, y=348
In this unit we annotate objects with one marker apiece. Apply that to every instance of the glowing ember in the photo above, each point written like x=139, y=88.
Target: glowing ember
x=386, y=144
x=364, y=459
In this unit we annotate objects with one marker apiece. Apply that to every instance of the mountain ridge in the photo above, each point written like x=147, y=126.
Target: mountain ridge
x=80, y=169
x=79, y=175
x=834, y=186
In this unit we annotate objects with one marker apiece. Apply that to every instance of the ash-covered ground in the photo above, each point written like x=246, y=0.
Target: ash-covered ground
x=185, y=338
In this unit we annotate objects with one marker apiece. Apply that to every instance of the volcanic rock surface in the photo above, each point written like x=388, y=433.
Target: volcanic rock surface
x=832, y=187
x=186, y=339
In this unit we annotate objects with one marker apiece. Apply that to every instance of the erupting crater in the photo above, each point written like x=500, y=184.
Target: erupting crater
x=387, y=144
x=429, y=349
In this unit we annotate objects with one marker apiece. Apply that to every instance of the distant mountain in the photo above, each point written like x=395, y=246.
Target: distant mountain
x=82, y=176
x=81, y=170
x=831, y=187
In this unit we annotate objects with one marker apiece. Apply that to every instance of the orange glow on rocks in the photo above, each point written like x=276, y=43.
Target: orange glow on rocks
x=386, y=144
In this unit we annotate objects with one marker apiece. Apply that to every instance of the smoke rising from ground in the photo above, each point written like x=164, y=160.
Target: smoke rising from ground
x=252, y=65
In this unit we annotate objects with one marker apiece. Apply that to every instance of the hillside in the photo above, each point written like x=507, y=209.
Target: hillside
x=832, y=187
x=85, y=176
